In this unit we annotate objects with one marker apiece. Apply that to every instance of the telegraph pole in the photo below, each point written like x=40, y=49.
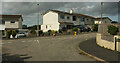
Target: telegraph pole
x=38, y=21
x=101, y=11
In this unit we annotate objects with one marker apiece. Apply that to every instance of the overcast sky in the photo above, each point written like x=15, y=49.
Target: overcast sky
x=29, y=10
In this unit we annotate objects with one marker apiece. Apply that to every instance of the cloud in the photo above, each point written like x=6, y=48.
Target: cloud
x=29, y=10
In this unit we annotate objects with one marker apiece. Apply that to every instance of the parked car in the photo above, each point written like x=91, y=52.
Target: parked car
x=83, y=28
x=21, y=34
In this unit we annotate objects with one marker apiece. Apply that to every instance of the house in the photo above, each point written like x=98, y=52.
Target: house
x=104, y=20
x=55, y=20
x=10, y=22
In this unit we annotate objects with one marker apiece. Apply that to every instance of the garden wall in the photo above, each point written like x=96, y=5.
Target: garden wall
x=107, y=44
x=103, y=29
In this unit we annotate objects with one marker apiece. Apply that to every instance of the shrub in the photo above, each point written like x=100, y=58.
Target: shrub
x=75, y=29
x=112, y=30
x=64, y=29
x=60, y=30
x=95, y=27
x=13, y=33
x=53, y=32
x=46, y=33
x=8, y=33
x=49, y=31
x=33, y=32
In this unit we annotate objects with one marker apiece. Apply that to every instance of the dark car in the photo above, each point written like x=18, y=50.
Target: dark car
x=83, y=28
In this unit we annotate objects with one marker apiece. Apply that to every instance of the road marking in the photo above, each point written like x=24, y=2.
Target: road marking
x=9, y=42
x=37, y=41
x=23, y=41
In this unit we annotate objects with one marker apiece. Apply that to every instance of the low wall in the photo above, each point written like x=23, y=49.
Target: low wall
x=107, y=44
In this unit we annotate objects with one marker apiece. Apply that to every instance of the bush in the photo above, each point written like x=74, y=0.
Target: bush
x=8, y=33
x=60, y=30
x=53, y=32
x=75, y=29
x=95, y=27
x=33, y=32
x=112, y=30
x=49, y=31
x=13, y=33
x=64, y=29
x=46, y=33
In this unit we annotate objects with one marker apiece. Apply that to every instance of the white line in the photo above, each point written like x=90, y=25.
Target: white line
x=38, y=41
x=23, y=41
x=9, y=42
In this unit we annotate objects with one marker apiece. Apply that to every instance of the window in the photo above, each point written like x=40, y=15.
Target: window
x=68, y=17
x=82, y=18
x=87, y=19
x=46, y=26
x=74, y=18
x=62, y=16
x=3, y=22
x=12, y=21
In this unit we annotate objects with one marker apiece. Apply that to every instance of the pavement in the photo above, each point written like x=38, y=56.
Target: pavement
x=59, y=48
x=92, y=48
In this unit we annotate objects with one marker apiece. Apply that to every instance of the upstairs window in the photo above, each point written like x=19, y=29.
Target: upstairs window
x=62, y=17
x=68, y=17
x=74, y=18
x=87, y=19
x=12, y=21
x=82, y=18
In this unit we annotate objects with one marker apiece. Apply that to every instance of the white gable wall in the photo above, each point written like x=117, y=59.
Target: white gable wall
x=50, y=22
x=8, y=24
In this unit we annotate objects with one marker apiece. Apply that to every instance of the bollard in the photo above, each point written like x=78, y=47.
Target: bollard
x=75, y=34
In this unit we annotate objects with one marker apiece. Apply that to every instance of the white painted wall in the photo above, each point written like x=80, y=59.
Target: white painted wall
x=17, y=24
x=104, y=21
x=50, y=20
x=8, y=24
x=2, y=27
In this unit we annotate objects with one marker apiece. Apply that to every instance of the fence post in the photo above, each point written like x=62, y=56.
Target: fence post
x=115, y=44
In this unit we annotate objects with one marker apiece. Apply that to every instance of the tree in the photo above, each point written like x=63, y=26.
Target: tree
x=95, y=27
x=112, y=30
x=24, y=26
x=75, y=29
x=13, y=33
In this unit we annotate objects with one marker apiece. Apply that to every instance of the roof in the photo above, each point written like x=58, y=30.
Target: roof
x=66, y=23
x=11, y=17
x=104, y=18
x=77, y=14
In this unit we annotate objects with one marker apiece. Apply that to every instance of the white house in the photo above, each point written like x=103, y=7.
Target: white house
x=10, y=22
x=55, y=20
x=104, y=20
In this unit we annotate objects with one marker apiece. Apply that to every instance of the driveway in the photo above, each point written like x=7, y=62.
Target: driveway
x=59, y=48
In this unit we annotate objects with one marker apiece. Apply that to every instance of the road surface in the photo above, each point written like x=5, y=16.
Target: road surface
x=59, y=48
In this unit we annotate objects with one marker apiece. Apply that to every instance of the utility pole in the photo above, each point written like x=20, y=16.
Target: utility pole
x=101, y=11
x=38, y=21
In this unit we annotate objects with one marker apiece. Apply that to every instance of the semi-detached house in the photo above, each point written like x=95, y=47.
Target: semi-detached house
x=55, y=20
x=10, y=22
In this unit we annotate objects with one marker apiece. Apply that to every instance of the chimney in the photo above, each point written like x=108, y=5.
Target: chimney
x=71, y=11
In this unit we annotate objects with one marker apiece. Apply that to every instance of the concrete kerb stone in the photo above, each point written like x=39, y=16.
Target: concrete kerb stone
x=94, y=57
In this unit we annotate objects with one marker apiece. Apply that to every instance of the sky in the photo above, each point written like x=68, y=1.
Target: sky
x=30, y=10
